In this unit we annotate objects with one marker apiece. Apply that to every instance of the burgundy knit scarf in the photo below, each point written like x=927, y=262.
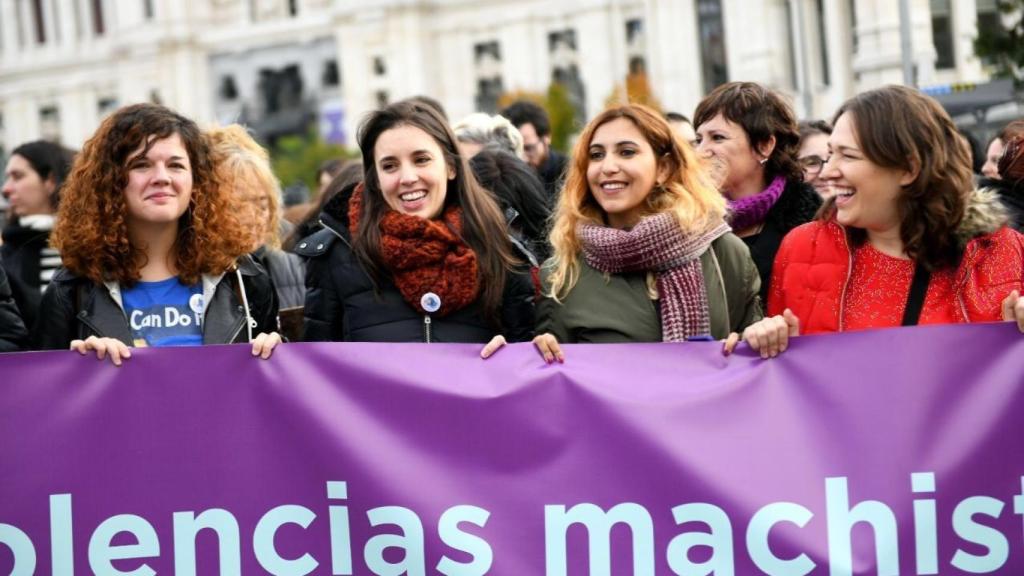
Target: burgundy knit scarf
x=657, y=245
x=425, y=256
x=748, y=212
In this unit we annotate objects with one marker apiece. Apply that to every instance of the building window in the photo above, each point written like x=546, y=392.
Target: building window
x=228, y=90
x=489, y=85
x=989, y=22
x=712, y=42
x=106, y=106
x=636, y=46
x=49, y=123
x=379, y=66
x=942, y=33
x=293, y=7
x=147, y=9
x=98, y=26
x=565, y=69
x=382, y=98
x=39, y=20
x=331, y=77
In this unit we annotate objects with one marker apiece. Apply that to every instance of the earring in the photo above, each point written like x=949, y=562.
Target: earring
x=762, y=161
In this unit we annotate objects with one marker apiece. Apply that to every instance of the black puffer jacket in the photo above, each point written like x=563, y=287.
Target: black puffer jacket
x=797, y=205
x=13, y=336
x=75, y=308
x=342, y=305
x=22, y=253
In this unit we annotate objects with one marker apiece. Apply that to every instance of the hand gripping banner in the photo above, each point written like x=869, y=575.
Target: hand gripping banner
x=886, y=452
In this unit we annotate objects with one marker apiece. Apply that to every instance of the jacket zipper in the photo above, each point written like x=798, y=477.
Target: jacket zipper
x=426, y=327
x=846, y=284
x=238, y=330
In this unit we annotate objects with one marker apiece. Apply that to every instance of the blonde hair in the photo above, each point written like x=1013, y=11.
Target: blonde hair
x=239, y=159
x=687, y=193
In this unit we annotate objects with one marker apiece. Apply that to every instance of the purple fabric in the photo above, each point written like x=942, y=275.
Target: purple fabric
x=751, y=211
x=431, y=427
x=656, y=244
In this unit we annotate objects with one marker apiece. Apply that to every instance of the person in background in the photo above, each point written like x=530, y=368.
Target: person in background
x=642, y=252
x=748, y=137
x=478, y=130
x=1010, y=185
x=814, y=152
x=521, y=196
x=350, y=173
x=33, y=179
x=152, y=250
x=243, y=169
x=903, y=240
x=994, y=150
x=418, y=252
x=682, y=125
x=13, y=336
x=532, y=122
x=324, y=174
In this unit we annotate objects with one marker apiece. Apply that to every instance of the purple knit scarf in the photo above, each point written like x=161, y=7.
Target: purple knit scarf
x=657, y=245
x=748, y=212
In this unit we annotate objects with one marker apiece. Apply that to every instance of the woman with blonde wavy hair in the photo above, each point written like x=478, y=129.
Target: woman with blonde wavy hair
x=642, y=252
x=152, y=253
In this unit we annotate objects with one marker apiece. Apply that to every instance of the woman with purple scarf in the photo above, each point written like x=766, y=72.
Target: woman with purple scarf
x=749, y=138
x=641, y=249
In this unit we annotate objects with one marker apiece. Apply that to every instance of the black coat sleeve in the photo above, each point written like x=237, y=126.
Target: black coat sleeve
x=517, y=310
x=13, y=335
x=54, y=328
x=324, y=311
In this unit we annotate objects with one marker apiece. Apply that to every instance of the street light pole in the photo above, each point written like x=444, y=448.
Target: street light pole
x=906, y=44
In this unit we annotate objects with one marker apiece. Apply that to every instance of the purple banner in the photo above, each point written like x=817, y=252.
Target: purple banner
x=886, y=452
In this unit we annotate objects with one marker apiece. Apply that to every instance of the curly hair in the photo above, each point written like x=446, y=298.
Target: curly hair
x=240, y=162
x=687, y=192
x=901, y=128
x=92, y=224
x=762, y=113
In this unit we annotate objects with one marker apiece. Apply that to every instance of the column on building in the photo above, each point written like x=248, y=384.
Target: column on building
x=965, y=31
x=757, y=35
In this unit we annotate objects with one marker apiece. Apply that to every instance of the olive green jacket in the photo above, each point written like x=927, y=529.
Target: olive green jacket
x=613, y=308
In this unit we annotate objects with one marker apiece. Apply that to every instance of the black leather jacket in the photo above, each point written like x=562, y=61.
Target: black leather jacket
x=343, y=305
x=75, y=308
x=13, y=335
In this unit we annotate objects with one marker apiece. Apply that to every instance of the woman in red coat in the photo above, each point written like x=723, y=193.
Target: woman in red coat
x=903, y=239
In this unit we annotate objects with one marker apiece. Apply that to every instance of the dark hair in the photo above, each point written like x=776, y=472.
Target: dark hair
x=901, y=128
x=92, y=231
x=430, y=102
x=1011, y=165
x=812, y=127
x=332, y=166
x=523, y=112
x=762, y=113
x=483, y=226
x=515, y=185
x=49, y=160
x=676, y=117
x=1010, y=131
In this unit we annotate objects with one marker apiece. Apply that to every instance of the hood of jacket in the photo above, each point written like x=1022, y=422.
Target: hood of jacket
x=984, y=214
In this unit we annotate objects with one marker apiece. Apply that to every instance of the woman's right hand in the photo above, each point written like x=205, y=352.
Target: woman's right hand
x=769, y=336
x=103, y=347
x=548, y=347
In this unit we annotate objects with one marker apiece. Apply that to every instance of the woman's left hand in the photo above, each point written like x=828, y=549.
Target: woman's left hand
x=493, y=346
x=263, y=344
x=1013, y=309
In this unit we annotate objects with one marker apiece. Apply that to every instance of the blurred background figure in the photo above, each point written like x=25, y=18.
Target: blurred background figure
x=813, y=153
x=243, y=169
x=533, y=123
x=994, y=150
x=350, y=172
x=13, y=335
x=747, y=134
x=1010, y=185
x=521, y=196
x=478, y=130
x=33, y=179
x=682, y=125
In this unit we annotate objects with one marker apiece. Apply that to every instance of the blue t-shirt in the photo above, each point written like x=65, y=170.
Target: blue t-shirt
x=165, y=313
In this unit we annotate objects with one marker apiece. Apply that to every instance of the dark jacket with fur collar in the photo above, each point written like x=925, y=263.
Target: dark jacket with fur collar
x=75, y=308
x=343, y=305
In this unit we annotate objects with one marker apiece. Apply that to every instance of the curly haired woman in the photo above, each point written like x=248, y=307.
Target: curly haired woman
x=152, y=253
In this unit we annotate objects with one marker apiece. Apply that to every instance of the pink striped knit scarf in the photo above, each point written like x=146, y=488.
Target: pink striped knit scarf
x=657, y=245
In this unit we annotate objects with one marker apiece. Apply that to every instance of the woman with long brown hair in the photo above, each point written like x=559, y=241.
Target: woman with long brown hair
x=903, y=239
x=419, y=252
x=642, y=252
x=152, y=253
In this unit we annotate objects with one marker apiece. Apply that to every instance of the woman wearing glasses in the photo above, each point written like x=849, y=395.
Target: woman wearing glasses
x=748, y=137
x=814, y=152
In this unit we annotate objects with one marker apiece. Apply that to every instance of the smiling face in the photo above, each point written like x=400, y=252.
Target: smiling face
x=866, y=193
x=991, y=167
x=26, y=191
x=812, y=155
x=159, y=183
x=412, y=171
x=621, y=171
x=733, y=163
